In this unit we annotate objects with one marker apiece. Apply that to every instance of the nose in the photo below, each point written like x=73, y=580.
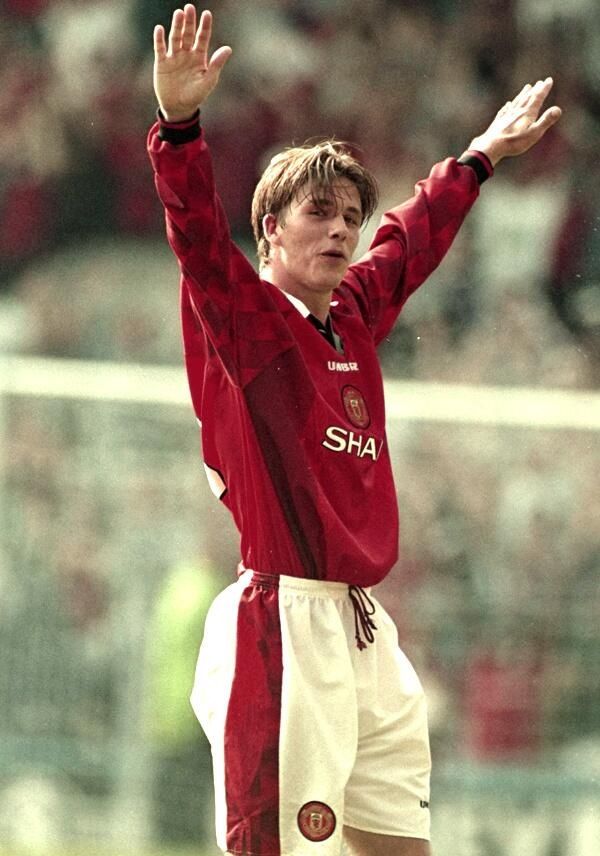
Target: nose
x=338, y=227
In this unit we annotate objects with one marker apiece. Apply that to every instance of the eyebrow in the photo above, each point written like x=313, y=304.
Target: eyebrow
x=324, y=202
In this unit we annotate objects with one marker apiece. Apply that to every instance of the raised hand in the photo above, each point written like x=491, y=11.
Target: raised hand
x=184, y=76
x=516, y=127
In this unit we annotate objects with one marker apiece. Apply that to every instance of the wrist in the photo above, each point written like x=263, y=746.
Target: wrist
x=490, y=148
x=479, y=163
x=174, y=117
x=179, y=131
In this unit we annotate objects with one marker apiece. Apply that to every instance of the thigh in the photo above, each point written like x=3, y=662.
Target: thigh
x=274, y=692
x=318, y=724
x=388, y=790
x=237, y=698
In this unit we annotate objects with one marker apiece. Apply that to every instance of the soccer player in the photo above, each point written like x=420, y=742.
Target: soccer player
x=316, y=719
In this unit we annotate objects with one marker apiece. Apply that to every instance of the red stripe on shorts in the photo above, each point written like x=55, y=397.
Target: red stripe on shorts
x=252, y=726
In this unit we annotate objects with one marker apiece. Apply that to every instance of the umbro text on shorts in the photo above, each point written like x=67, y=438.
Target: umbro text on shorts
x=309, y=732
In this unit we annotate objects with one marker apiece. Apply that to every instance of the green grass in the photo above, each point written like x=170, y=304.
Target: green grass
x=87, y=851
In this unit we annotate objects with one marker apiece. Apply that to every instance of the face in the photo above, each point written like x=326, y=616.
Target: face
x=313, y=241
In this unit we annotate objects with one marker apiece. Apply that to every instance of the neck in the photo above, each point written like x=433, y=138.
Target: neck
x=317, y=303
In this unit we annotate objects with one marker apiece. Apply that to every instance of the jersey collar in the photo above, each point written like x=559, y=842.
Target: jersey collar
x=326, y=329
x=301, y=307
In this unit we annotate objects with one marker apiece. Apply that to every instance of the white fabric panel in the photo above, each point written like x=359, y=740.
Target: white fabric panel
x=212, y=689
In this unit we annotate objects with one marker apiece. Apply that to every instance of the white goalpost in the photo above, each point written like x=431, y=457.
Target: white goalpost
x=405, y=400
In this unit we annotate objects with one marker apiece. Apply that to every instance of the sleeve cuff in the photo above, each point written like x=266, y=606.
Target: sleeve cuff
x=178, y=133
x=479, y=163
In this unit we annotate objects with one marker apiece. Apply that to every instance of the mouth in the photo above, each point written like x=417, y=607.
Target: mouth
x=334, y=254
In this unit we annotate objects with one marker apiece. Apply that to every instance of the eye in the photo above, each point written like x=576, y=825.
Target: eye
x=351, y=221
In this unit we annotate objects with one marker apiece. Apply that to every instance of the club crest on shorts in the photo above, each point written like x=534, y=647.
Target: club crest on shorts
x=355, y=407
x=316, y=821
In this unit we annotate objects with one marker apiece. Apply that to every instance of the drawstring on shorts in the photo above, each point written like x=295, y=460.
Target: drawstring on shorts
x=364, y=608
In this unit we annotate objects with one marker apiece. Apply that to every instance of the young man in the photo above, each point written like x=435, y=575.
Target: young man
x=317, y=721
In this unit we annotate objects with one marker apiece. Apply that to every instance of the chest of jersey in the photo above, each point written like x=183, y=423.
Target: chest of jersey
x=346, y=403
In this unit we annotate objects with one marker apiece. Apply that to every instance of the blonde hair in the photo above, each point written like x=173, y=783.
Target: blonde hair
x=317, y=165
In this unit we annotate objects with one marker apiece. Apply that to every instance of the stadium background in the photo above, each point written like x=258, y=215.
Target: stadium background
x=111, y=545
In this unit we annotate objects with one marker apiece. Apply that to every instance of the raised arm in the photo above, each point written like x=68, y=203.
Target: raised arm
x=222, y=297
x=184, y=76
x=413, y=238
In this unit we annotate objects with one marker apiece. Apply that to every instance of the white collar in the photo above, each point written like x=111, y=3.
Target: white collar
x=295, y=301
x=301, y=307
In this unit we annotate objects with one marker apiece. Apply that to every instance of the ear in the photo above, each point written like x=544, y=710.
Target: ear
x=271, y=228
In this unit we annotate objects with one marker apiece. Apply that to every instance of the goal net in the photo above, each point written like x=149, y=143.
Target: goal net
x=112, y=546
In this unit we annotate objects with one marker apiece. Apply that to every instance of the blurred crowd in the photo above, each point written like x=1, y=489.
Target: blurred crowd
x=496, y=593
x=408, y=83
x=114, y=546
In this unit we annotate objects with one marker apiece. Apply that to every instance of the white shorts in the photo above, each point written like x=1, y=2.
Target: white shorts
x=308, y=732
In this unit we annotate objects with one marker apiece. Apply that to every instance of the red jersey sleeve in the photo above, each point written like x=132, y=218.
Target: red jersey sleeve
x=410, y=242
x=222, y=297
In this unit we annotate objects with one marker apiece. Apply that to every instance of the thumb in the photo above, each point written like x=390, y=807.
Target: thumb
x=547, y=119
x=219, y=58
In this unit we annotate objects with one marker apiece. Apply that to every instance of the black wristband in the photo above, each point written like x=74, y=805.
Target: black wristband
x=477, y=165
x=178, y=133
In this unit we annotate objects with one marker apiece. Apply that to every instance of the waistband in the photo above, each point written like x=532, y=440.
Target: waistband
x=302, y=585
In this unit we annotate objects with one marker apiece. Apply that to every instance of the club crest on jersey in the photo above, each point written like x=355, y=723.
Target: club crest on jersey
x=341, y=440
x=355, y=407
x=316, y=821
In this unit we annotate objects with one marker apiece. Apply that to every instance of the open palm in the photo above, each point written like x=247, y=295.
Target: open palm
x=184, y=76
x=518, y=125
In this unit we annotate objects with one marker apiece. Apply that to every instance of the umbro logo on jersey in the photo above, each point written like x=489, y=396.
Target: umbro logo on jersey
x=334, y=366
x=341, y=440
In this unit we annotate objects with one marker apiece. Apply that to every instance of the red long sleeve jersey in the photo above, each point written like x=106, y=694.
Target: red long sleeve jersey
x=293, y=432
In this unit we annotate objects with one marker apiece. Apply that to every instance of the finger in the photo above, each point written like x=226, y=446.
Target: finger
x=548, y=118
x=219, y=58
x=538, y=95
x=540, y=90
x=203, y=35
x=176, y=30
x=521, y=96
x=160, y=43
x=189, y=26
